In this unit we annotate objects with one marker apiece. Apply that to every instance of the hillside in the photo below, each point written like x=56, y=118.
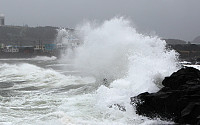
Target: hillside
x=23, y=35
x=196, y=40
x=174, y=41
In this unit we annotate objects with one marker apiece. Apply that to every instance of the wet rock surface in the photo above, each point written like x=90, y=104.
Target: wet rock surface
x=178, y=100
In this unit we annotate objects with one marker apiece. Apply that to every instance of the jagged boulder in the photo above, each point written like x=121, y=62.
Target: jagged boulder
x=178, y=100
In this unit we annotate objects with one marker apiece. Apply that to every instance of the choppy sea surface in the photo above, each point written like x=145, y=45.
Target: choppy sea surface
x=46, y=91
x=89, y=84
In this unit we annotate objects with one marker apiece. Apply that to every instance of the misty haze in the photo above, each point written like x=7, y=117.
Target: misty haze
x=92, y=62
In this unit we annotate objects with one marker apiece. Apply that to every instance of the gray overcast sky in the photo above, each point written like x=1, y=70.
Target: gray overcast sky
x=168, y=18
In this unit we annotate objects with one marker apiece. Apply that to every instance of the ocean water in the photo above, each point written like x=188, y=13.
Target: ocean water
x=113, y=63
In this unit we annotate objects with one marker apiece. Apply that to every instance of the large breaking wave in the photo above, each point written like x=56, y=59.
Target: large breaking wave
x=123, y=62
x=116, y=51
x=126, y=61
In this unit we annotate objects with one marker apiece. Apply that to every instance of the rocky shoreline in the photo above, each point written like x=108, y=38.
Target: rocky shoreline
x=178, y=100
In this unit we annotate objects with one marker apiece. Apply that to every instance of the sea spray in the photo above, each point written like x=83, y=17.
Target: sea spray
x=122, y=64
x=67, y=40
x=128, y=61
x=115, y=50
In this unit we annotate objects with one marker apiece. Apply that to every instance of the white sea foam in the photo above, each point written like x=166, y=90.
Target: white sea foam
x=115, y=50
x=40, y=58
x=194, y=66
x=131, y=62
x=45, y=58
x=36, y=76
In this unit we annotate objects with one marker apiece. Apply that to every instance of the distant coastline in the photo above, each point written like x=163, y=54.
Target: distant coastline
x=28, y=42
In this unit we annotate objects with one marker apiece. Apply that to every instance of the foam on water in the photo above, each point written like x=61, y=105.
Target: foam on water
x=131, y=62
x=36, y=76
x=116, y=51
x=41, y=58
x=45, y=58
x=194, y=66
x=23, y=106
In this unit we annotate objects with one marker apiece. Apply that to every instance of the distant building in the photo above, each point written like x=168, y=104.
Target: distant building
x=26, y=49
x=2, y=20
x=50, y=47
x=2, y=45
x=10, y=49
x=39, y=48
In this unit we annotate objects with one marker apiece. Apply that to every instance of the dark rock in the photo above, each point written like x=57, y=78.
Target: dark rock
x=182, y=76
x=178, y=100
